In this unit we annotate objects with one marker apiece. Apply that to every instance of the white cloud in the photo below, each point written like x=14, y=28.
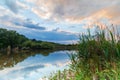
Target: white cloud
x=77, y=10
x=4, y=11
x=15, y=5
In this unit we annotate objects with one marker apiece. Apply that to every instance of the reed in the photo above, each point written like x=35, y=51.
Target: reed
x=97, y=58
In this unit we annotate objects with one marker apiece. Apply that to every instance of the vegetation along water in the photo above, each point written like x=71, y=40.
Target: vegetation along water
x=98, y=58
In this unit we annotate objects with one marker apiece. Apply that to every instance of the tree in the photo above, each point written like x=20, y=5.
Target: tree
x=11, y=38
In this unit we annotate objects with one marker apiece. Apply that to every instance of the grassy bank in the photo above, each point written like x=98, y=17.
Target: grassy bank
x=98, y=58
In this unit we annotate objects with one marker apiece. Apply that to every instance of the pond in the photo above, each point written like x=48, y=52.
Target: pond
x=32, y=65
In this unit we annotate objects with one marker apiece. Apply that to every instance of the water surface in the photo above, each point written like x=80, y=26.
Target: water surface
x=32, y=65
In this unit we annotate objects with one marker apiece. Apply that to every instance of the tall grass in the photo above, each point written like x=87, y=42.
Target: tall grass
x=63, y=75
x=98, y=57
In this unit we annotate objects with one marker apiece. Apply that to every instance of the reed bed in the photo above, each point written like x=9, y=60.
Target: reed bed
x=98, y=57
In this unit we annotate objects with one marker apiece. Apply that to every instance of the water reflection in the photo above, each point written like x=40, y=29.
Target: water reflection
x=9, y=60
x=31, y=65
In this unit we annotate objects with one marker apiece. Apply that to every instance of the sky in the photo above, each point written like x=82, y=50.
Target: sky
x=59, y=21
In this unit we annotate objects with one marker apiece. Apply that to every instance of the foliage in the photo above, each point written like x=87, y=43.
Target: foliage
x=13, y=39
x=63, y=75
x=47, y=45
x=97, y=58
x=10, y=38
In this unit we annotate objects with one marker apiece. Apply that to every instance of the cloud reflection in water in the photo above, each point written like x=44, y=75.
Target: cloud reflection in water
x=35, y=67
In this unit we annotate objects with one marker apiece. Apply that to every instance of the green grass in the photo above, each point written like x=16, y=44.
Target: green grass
x=63, y=75
x=98, y=57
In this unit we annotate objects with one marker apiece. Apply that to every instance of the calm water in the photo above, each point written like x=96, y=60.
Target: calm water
x=32, y=65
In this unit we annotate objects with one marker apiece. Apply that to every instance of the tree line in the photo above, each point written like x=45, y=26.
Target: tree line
x=11, y=39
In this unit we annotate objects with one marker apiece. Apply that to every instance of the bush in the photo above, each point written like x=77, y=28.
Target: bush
x=46, y=45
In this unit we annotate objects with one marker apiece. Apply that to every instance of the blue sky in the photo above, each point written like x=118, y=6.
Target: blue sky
x=57, y=20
